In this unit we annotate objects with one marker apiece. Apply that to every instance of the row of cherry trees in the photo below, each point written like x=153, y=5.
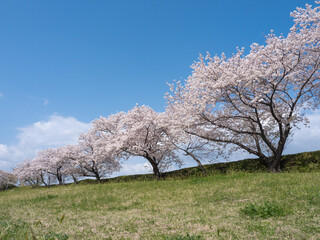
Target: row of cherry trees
x=250, y=102
x=139, y=132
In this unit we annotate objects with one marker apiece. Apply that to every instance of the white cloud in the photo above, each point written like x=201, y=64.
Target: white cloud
x=3, y=150
x=1, y=95
x=45, y=102
x=131, y=169
x=56, y=131
x=307, y=138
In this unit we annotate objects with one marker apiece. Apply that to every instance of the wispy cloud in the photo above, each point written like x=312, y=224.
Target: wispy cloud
x=307, y=138
x=133, y=168
x=45, y=102
x=1, y=95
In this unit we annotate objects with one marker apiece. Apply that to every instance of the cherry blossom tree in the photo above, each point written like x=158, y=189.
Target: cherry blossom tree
x=144, y=135
x=96, y=160
x=64, y=163
x=138, y=132
x=6, y=179
x=50, y=166
x=71, y=158
x=30, y=174
x=50, y=161
x=254, y=101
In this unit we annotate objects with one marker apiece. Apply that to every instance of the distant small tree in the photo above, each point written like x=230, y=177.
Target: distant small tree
x=27, y=174
x=6, y=180
x=48, y=167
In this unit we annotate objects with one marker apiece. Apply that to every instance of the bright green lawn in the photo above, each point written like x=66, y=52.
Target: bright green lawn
x=233, y=206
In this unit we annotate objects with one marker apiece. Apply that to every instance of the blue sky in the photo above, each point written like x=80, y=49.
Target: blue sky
x=68, y=62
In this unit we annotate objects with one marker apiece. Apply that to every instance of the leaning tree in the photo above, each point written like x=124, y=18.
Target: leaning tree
x=187, y=144
x=254, y=101
x=145, y=136
x=97, y=158
x=139, y=132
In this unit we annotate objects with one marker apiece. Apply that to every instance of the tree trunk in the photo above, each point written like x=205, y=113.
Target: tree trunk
x=98, y=178
x=60, y=180
x=273, y=164
x=202, y=168
x=155, y=167
x=75, y=180
x=198, y=162
x=156, y=171
x=95, y=171
x=59, y=175
x=43, y=181
x=96, y=174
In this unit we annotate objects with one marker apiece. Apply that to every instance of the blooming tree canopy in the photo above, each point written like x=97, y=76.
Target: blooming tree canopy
x=145, y=136
x=99, y=156
x=30, y=173
x=254, y=101
x=138, y=132
x=70, y=157
x=6, y=179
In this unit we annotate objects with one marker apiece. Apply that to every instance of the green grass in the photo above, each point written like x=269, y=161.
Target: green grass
x=237, y=200
x=301, y=162
x=265, y=209
x=223, y=206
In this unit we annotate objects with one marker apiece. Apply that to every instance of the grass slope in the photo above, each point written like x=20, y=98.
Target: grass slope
x=237, y=205
x=300, y=162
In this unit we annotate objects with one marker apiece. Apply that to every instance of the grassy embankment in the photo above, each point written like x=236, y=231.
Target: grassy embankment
x=245, y=203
